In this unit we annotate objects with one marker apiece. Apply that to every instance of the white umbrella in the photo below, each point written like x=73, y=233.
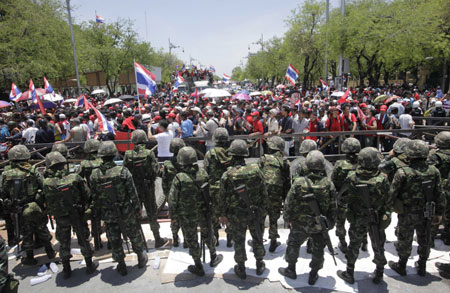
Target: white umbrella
x=68, y=101
x=97, y=92
x=217, y=94
x=337, y=94
x=53, y=97
x=255, y=94
x=112, y=101
x=205, y=91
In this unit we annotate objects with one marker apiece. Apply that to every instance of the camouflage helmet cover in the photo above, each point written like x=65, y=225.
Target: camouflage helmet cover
x=276, y=143
x=91, y=146
x=369, y=158
x=61, y=148
x=307, y=146
x=106, y=149
x=139, y=136
x=442, y=140
x=400, y=145
x=19, y=153
x=54, y=158
x=220, y=135
x=351, y=145
x=315, y=161
x=186, y=156
x=238, y=148
x=417, y=149
x=175, y=145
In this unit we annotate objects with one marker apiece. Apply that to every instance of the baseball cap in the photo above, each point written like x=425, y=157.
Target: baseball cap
x=62, y=116
x=256, y=113
x=383, y=108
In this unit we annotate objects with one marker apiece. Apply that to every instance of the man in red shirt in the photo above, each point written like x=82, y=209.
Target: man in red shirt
x=257, y=127
x=314, y=125
x=348, y=120
x=333, y=124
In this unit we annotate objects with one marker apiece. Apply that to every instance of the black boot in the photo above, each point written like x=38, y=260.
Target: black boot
x=122, y=268
x=342, y=245
x=239, y=270
x=91, y=265
x=160, y=241
x=142, y=259
x=50, y=251
x=108, y=245
x=399, y=267
x=313, y=276
x=347, y=275
x=176, y=240
x=421, y=268
x=215, y=259
x=67, y=270
x=229, y=241
x=378, y=275
x=289, y=271
x=216, y=234
x=309, y=246
x=273, y=245
x=443, y=267
x=364, y=246
x=260, y=267
x=29, y=260
x=197, y=269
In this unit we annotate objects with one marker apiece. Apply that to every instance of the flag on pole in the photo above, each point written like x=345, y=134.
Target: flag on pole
x=183, y=67
x=103, y=124
x=35, y=98
x=48, y=87
x=324, y=85
x=145, y=80
x=291, y=74
x=212, y=69
x=196, y=96
x=82, y=101
x=99, y=19
x=15, y=93
x=226, y=77
x=178, y=81
x=344, y=97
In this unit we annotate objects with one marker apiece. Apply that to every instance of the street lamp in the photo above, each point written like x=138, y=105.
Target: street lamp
x=73, y=46
x=261, y=42
x=172, y=46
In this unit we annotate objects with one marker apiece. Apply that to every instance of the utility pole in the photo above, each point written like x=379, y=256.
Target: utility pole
x=326, y=42
x=172, y=46
x=261, y=42
x=146, y=27
x=73, y=46
x=341, y=55
x=191, y=59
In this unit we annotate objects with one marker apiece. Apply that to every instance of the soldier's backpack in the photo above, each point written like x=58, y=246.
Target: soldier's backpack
x=142, y=164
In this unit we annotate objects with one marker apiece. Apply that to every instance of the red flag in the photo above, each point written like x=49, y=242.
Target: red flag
x=196, y=96
x=35, y=97
x=344, y=97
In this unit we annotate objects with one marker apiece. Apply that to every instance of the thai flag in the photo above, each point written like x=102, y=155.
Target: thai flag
x=15, y=93
x=183, y=67
x=99, y=19
x=344, y=97
x=225, y=77
x=103, y=124
x=211, y=68
x=48, y=87
x=291, y=74
x=179, y=81
x=82, y=101
x=324, y=86
x=145, y=80
x=35, y=98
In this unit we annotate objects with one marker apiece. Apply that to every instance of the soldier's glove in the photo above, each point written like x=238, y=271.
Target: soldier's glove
x=88, y=214
x=437, y=220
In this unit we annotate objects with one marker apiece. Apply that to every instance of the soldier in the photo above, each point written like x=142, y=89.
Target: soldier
x=368, y=211
x=7, y=281
x=244, y=193
x=170, y=169
x=306, y=146
x=441, y=159
x=396, y=159
x=276, y=175
x=216, y=163
x=301, y=218
x=116, y=201
x=19, y=188
x=144, y=167
x=350, y=147
x=66, y=196
x=62, y=149
x=410, y=191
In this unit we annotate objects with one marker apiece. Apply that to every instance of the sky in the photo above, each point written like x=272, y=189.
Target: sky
x=212, y=32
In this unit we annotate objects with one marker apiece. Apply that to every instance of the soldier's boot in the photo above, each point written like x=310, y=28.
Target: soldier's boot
x=91, y=265
x=197, y=269
x=160, y=241
x=239, y=270
x=176, y=240
x=443, y=267
x=216, y=234
x=273, y=245
x=215, y=259
x=67, y=270
x=108, y=245
x=342, y=245
x=50, y=251
x=142, y=259
x=260, y=267
x=185, y=245
x=378, y=275
x=313, y=276
x=229, y=240
x=364, y=245
x=122, y=268
x=421, y=267
x=309, y=246
x=289, y=271
x=399, y=267
x=347, y=275
x=29, y=260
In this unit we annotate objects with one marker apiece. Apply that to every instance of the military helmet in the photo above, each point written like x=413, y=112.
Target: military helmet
x=139, y=136
x=417, y=149
x=442, y=140
x=315, y=161
x=220, y=135
x=400, y=145
x=54, y=158
x=176, y=144
x=307, y=146
x=351, y=146
x=107, y=149
x=238, y=147
x=369, y=158
x=276, y=143
x=19, y=153
x=91, y=146
x=186, y=156
x=61, y=148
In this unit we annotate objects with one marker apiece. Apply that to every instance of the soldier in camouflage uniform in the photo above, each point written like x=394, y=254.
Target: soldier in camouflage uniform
x=409, y=201
x=396, y=159
x=170, y=169
x=301, y=218
x=236, y=208
x=144, y=167
x=29, y=203
x=62, y=149
x=276, y=175
x=66, y=196
x=187, y=202
x=366, y=173
x=113, y=186
x=306, y=146
x=216, y=162
x=7, y=281
x=441, y=159
x=350, y=147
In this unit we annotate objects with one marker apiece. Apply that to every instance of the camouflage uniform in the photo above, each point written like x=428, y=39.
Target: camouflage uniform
x=390, y=165
x=301, y=218
x=276, y=176
x=66, y=196
x=7, y=281
x=111, y=179
x=306, y=146
x=216, y=162
x=62, y=149
x=366, y=173
x=409, y=201
x=187, y=202
x=144, y=167
x=31, y=216
x=236, y=210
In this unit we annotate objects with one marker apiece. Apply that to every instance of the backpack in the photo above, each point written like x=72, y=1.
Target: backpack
x=141, y=163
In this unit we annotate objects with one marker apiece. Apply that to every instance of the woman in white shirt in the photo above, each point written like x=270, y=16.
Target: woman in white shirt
x=163, y=138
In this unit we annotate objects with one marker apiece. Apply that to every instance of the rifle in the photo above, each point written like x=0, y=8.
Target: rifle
x=207, y=199
x=17, y=213
x=31, y=153
x=374, y=219
x=253, y=210
x=95, y=232
x=142, y=235
x=429, y=210
x=110, y=190
x=321, y=220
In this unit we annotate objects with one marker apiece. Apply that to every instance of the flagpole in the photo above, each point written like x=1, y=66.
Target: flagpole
x=137, y=90
x=73, y=46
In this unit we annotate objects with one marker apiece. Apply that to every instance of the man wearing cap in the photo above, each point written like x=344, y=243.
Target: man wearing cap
x=64, y=126
x=286, y=127
x=210, y=127
x=77, y=133
x=384, y=122
x=173, y=125
x=187, y=127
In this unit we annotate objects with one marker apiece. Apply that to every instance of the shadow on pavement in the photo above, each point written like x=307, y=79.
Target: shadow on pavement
x=190, y=281
x=250, y=282
x=111, y=276
x=418, y=280
x=77, y=278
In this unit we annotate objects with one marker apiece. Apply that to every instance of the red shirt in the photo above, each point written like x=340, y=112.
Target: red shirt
x=344, y=123
x=313, y=127
x=257, y=126
x=334, y=124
